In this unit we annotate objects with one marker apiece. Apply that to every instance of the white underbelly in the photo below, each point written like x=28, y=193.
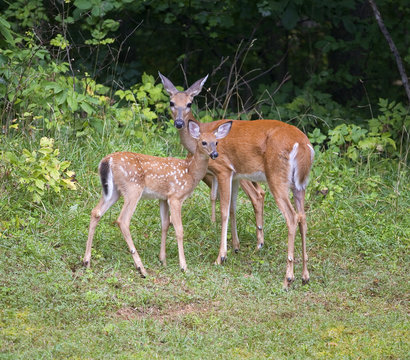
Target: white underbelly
x=258, y=176
x=150, y=194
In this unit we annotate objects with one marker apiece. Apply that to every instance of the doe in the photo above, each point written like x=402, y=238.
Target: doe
x=171, y=180
x=263, y=150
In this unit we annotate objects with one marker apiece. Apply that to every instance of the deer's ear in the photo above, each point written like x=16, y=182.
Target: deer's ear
x=168, y=85
x=194, y=130
x=223, y=130
x=196, y=87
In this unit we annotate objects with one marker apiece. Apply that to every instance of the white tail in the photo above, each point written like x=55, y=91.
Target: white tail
x=171, y=180
x=262, y=150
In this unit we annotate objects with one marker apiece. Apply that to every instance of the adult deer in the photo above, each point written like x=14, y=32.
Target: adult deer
x=181, y=112
x=171, y=180
x=261, y=150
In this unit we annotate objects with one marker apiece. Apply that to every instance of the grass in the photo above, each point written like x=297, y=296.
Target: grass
x=355, y=307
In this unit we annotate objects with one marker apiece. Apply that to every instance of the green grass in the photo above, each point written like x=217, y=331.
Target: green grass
x=355, y=306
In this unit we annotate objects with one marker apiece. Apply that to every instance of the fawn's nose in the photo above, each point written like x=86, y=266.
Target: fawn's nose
x=179, y=123
x=213, y=155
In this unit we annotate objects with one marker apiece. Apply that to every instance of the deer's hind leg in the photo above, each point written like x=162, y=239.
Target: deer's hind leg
x=104, y=204
x=131, y=199
x=257, y=196
x=299, y=197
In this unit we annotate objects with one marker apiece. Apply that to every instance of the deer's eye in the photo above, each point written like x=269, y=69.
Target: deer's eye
x=188, y=105
x=216, y=143
x=204, y=143
x=171, y=104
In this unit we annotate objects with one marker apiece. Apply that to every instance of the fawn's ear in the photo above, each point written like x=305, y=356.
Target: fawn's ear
x=168, y=85
x=196, y=87
x=223, y=130
x=193, y=128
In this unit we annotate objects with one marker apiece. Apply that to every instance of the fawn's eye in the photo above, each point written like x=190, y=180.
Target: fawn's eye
x=188, y=105
x=204, y=143
x=171, y=104
x=216, y=143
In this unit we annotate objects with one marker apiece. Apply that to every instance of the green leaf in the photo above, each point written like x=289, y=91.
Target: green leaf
x=83, y=4
x=72, y=103
x=39, y=183
x=55, y=174
x=64, y=165
x=87, y=108
x=5, y=31
x=147, y=79
x=290, y=17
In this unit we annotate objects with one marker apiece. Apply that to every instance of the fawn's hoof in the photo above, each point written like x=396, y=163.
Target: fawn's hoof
x=288, y=282
x=142, y=272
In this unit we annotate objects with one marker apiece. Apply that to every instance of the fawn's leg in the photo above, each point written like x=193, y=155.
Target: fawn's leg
x=225, y=190
x=165, y=221
x=131, y=199
x=96, y=214
x=176, y=205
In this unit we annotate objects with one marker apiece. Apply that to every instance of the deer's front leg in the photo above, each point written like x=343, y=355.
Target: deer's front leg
x=176, y=206
x=225, y=190
x=232, y=209
x=214, y=194
x=212, y=183
x=165, y=221
x=123, y=221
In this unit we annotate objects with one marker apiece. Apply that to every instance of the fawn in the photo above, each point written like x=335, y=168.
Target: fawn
x=171, y=180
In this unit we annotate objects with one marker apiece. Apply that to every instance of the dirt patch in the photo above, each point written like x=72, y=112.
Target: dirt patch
x=171, y=313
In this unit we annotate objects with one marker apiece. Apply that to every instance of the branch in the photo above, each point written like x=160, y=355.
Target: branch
x=393, y=47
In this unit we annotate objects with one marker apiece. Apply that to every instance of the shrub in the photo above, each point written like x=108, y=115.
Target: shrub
x=40, y=171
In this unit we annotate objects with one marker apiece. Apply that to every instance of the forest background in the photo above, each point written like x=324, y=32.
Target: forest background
x=79, y=79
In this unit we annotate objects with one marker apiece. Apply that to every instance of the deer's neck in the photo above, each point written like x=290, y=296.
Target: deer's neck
x=197, y=166
x=187, y=141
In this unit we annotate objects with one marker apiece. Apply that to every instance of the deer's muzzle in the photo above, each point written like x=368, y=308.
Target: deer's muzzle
x=213, y=155
x=179, y=124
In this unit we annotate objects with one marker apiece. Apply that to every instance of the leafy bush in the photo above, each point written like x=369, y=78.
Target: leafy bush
x=146, y=99
x=145, y=104
x=40, y=171
x=393, y=119
x=306, y=108
x=355, y=142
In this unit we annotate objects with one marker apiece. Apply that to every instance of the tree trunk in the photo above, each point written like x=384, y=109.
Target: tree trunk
x=393, y=48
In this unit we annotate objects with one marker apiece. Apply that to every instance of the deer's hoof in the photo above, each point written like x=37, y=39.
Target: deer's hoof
x=288, y=282
x=142, y=272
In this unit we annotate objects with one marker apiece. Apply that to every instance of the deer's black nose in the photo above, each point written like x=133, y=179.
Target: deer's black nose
x=179, y=124
x=213, y=155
